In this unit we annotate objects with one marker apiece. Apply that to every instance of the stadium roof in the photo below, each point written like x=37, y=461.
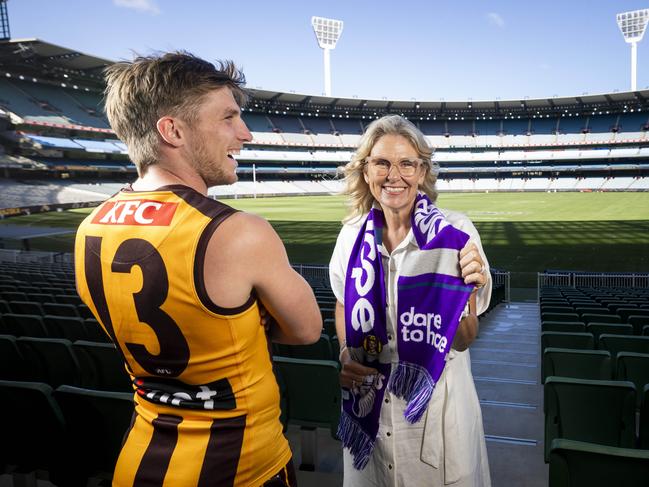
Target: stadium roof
x=37, y=59
x=280, y=102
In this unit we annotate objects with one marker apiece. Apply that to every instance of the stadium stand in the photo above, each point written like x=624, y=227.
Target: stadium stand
x=596, y=384
x=579, y=463
x=56, y=127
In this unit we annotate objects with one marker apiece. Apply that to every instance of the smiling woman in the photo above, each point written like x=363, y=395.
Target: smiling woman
x=394, y=184
x=410, y=280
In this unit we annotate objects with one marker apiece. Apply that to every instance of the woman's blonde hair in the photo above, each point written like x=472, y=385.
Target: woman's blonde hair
x=360, y=198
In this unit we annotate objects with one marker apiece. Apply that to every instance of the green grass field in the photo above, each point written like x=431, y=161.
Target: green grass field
x=521, y=232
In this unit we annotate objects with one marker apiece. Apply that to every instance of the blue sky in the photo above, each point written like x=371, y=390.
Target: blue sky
x=410, y=49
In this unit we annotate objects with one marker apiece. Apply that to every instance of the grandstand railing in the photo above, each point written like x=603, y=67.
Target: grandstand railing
x=504, y=278
x=8, y=255
x=313, y=273
x=592, y=279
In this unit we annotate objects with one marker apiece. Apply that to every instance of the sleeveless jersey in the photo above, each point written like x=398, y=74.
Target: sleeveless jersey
x=206, y=400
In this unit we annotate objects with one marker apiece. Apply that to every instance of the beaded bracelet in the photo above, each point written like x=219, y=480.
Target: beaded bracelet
x=342, y=349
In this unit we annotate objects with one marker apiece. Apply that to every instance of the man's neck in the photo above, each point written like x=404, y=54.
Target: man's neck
x=157, y=176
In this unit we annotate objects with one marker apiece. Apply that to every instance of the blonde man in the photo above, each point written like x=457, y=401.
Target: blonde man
x=179, y=280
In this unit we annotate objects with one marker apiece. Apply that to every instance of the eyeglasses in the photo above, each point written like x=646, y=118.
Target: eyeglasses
x=381, y=166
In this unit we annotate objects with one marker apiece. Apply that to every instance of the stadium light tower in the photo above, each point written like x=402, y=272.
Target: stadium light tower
x=5, y=35
x=633, y=24
x=327, y=31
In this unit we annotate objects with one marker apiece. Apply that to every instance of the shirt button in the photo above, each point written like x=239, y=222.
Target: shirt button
x=387, y=400
x=389, y=337
x=389, y=434
x=390, y=466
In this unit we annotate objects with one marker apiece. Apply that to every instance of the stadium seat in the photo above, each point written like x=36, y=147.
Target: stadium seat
x=12, y=363
x=68, y=299
x=57, y=309
x=52, y=360
x=557, y=339
x=4, y=307
x=600, y=318
x=52, y=290
x=3, y=327
x=644, y=419
x=555, y=301
x=329, y=326
x=578, y=364
x=622, y=343
x=24, y=325
x=95, y=332
x=328, y=313
x=281, y=350
x=102, y=367
x=313, y=390
x=570, y=317
x=611, y=328
x=84, y=311
x=625, y=313
x=13, y=296
x=577, y=463
x=582, y=310
x=589, y=410
x=67, y=327
x=633, y=367
x=568, y=327
x=320, y=350
x=313, y=399
x=40, y=297
x=26, y=307
x=96, y=423
x=556, y=309
x=638, y=322
x=614, y=307
x=335, y=348
x=576, y=301
x=611, y=300
x=33, y=432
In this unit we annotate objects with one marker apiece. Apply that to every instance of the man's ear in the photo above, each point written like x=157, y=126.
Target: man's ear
x=171, y=131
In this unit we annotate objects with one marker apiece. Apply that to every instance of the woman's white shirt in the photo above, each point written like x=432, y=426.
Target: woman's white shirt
x=447, y=445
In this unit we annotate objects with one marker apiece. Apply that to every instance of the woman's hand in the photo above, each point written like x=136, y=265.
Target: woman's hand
x=472, y=265
x=353, y=374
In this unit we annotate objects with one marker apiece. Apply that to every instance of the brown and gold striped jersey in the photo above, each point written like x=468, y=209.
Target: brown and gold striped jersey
x=207, y=403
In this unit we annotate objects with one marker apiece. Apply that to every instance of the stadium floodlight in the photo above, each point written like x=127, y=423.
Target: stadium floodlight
x=633, y=24
x=327, y=31
x=4, y=21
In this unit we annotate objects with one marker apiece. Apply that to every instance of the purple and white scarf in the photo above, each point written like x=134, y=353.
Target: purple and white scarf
x=429, y=306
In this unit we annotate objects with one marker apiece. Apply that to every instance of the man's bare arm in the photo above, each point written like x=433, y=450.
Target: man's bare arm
x=251, y=256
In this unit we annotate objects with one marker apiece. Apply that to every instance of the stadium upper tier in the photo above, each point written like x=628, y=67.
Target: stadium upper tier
x=52, y=118
x=48, y=87
x=36, y=104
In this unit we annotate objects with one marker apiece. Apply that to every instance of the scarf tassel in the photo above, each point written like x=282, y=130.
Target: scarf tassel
x=358, y=441
x=413, y=384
